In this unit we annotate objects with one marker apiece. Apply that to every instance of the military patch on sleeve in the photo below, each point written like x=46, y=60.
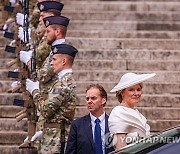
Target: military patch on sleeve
x=57, y=91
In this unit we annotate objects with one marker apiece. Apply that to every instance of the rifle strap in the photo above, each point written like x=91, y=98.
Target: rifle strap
x=9, y=35
x=8, y=8
x=10, y=49
x=18, y=102
x=12, y=74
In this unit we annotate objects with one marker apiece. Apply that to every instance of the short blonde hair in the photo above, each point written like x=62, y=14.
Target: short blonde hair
x=119, y=93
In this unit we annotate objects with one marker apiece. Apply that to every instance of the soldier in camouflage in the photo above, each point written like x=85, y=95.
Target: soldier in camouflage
x=59, y=107
x=53, y=37
x=47, y=8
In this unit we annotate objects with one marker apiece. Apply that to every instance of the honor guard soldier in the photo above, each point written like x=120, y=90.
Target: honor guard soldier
x=59, y=107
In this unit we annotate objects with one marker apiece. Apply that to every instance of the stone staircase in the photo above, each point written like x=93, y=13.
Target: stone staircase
x=113, y=37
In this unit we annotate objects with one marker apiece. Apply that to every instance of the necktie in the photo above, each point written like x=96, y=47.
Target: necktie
x=97, y=138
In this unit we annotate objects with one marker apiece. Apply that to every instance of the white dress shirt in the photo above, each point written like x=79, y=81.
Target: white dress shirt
x=102, y=125
x=63, y=72
x=60, y=41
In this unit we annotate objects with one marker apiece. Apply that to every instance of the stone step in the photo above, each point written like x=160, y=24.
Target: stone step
x=110, y=75
x=5, y=54
x=142, y=65
x=14, y=149
x=124, y=1
x=156, y=113
x=122, y=16
x=4, y=61
x=7, y=111
x=117, y=54
x=122, y=5
x=120, y=54
x=3, y=41
x=114, y=34
x=99, y=75
x=12, y=137
x=129, y=54
x=116, y=43
x=120, y=43
x=116, y=26
x=11, y=123
x=8, y=98
x=124, y=34
x=152, y=65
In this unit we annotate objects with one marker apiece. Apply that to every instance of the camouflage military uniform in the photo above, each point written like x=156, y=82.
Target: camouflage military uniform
x=46, y=77
x=42, y=48
x=45, y=73
x=59, y=108
x=42, y=52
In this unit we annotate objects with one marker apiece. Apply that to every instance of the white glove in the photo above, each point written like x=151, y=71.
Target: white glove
x=5, y=27
x=13, y=2
x=22, y=34
x=36, y=136
x=31, y=86
x=25, y=56
x=15, y=84
x=20, y=19
x=12, y=43
x=15, y=70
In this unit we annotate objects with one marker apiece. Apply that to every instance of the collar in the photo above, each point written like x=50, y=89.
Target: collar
x=63, y=72
x=60, y=41
x=101, y=118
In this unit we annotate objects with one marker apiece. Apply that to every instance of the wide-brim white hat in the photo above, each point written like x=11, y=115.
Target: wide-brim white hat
x=130, y=79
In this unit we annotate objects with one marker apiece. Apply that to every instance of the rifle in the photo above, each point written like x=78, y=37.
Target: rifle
x=29, y=110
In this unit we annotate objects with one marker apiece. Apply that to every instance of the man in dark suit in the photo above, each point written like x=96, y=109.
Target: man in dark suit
x=84, y=132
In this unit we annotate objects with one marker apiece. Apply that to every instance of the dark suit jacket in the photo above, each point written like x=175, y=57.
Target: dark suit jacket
x=80, y=139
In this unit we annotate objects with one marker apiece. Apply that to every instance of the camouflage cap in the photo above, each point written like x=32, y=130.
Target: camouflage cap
x=59, y=20
x=64, y=49
x=47, y=5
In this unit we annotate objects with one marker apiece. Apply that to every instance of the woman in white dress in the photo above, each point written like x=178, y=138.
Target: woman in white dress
x=126, y=123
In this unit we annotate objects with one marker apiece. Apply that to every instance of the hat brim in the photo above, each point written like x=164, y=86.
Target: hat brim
x=139, y=79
